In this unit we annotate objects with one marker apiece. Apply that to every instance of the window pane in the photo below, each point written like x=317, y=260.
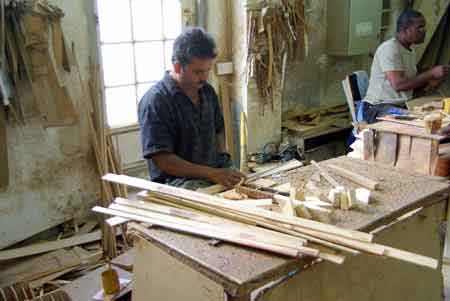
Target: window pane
x=147, y=19
x=172, y=18
x=142, y=89
x=114, y=19
x=121, y=106
x=118, y=66
x=168, y=48
x=149, y=61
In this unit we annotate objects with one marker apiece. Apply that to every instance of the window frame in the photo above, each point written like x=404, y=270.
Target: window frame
x=133, y=42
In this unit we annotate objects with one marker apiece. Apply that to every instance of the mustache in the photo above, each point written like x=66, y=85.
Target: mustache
x=202, y=82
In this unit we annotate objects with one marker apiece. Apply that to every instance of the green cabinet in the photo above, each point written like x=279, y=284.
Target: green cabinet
x=353, y=26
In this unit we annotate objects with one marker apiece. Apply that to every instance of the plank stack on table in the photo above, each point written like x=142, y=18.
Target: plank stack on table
x=210, y=216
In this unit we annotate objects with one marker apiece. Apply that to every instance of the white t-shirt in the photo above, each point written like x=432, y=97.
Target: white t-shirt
x=390, y=56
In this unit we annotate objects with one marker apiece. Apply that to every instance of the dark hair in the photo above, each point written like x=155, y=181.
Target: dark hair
x=406, y=18
x=193, y=42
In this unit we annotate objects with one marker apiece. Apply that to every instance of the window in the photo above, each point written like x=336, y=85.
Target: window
x=136, y=38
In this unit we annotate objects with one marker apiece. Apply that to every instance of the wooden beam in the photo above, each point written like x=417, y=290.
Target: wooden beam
x=354, y=177
x=50, y=246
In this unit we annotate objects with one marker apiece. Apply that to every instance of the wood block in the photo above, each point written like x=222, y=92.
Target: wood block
x=386, y=152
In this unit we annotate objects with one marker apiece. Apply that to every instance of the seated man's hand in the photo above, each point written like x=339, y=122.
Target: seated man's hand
x=440, y=72
x=226, y=177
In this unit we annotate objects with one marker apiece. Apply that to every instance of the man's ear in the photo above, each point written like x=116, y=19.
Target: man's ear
x=177, y=68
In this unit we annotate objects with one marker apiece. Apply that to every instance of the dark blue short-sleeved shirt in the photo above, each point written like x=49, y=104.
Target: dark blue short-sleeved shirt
x=170, y=122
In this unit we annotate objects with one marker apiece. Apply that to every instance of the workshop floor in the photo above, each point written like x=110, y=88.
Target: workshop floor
x=446, y=272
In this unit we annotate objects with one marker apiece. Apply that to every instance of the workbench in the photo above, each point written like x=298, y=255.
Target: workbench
x=406, y=213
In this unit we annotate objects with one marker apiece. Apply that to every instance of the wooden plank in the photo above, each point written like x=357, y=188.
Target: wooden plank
x=325, y=174
x=421, y=153
x=404, y=152
x=386, y=151
x=227, y=117
x=354, y=177
x=417, y=123
x=37, y=267
x=59, y=45
x=368, y=141
x=4, y=169
x=218, y=202
x=88, y=227
x=50, y=246
x=402, y=129
x=290, y=165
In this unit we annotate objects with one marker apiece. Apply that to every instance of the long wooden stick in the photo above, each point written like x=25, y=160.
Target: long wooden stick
x=325, y=174
x=218, y=202
x=356, y=178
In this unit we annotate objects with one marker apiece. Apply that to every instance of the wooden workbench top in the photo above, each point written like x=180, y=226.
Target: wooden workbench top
x=240, y=269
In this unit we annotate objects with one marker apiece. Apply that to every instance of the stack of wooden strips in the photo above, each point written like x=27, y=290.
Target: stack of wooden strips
x=205, y=215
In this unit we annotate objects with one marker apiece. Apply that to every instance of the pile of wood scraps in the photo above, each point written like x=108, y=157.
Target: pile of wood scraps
x=276, y=35
x=33, y=57
x=46, y=266
x=214, y=217
x=313, y=122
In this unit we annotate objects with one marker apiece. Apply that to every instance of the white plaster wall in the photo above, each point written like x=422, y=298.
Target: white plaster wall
x=52, y=173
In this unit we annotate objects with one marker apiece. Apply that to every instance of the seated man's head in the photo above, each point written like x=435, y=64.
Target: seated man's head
x=193, y=55
x=411, y=27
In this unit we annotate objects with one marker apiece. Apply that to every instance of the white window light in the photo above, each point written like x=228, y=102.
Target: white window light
x=136, y=38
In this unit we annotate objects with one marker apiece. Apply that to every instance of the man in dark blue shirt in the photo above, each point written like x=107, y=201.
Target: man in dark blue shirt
x=182, y=127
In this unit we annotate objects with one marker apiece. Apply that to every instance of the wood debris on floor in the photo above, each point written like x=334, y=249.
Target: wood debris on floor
x=313, y=122
x=40, y=269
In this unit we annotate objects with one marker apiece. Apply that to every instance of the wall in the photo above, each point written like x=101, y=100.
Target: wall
x=52, y=174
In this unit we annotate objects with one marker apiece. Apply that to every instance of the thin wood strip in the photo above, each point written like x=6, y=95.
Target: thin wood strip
x=325, y=174
x=293, y=164
x=354, y=177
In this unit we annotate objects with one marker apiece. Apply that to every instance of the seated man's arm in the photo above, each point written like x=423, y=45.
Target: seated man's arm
x=400, y=82
x=221, y=145
x=176, y=166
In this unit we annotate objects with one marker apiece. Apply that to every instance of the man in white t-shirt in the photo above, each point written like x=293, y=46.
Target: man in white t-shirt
x=394, y=75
